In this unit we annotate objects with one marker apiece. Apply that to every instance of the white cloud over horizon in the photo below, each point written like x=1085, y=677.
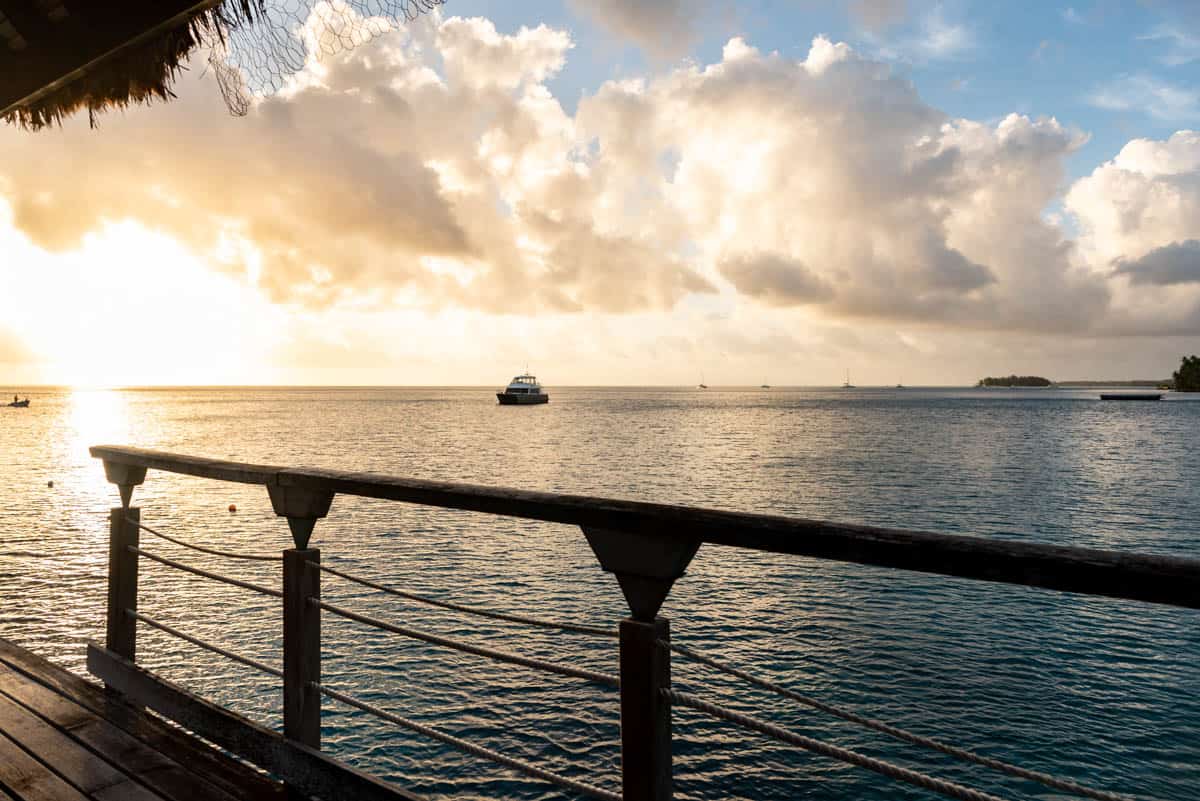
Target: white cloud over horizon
x=426, y=200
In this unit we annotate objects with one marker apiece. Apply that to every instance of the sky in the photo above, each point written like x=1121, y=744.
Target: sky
x=633, y=192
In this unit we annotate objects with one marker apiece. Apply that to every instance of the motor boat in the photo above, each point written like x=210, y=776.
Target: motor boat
x=522, y=391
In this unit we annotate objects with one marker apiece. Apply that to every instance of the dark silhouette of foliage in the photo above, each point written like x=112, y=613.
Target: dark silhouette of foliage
x=1187, y=377
x=1014, y=381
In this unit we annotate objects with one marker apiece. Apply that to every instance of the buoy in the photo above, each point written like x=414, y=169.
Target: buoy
x=233, y=507
x=49, y=483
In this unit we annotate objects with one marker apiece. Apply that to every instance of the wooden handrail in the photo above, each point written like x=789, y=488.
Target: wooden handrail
x=1134, y=576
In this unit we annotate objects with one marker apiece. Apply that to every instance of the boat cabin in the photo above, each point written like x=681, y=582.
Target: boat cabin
x=524, y=385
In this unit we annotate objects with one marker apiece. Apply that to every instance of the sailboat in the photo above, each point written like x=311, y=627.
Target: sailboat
x=764, y=385
x=847, y=385
x=702, y=385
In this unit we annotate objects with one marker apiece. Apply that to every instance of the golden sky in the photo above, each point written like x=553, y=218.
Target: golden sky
x=424, y=210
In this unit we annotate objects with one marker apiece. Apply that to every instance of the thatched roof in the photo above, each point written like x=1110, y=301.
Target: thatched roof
x=61, y=56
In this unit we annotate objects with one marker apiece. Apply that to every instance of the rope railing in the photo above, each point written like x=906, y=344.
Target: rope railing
x=595, y=677
x=216, y=649
x=183, y=543
x=884, y=768
x=206, y=573
x=470, y=610
x=471, y=748
x=901, y=734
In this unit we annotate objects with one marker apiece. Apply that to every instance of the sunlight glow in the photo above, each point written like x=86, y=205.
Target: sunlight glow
x=134, y=306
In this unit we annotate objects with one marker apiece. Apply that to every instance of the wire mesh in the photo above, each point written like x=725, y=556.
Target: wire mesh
x=260, y=57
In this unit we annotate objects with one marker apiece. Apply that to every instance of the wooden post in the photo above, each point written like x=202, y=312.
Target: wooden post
x=301, y=646
x=645, y=713
x=646, y=568
x=121, y=634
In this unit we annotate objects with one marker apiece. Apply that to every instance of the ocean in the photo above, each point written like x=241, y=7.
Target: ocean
x=1102, y=691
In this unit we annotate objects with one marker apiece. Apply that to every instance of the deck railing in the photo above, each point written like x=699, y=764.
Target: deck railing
x=646, y=547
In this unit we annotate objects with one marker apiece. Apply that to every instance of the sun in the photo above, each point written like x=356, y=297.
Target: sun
x=133, y=306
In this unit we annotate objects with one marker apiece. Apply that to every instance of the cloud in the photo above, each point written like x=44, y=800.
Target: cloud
x=1145, y=198
x=1148, y=95
x=1138, y=217
x=1176, y=263
x=429, y=167
x=827, y=182
x=434, y=170
x=661, y=27
x=1180, y=46
x=776, y=280
x=935, y=38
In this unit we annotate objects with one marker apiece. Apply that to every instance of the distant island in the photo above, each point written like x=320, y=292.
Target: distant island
x=1014, y=381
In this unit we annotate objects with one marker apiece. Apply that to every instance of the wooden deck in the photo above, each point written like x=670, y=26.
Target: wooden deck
x=63, y=738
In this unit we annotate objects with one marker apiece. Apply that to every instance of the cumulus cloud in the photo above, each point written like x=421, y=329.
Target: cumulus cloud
x=434, y=169
x=1139, y=216
x=432, y=166
x=1147, y=197
x=829, y=182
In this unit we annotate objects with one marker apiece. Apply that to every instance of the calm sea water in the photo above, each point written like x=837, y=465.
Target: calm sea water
x=1103, y=691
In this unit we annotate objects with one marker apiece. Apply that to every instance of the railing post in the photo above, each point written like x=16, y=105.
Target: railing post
x=645, y=713
x=121, y=634
x=646, y=568
x=301, y=646
x=301, y=618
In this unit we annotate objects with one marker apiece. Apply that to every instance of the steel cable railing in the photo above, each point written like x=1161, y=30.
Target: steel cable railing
x=216, y=649
x=471, y=748
x=845, y=714
x=592, y=676
x=901, y=734
x=470, y=610
x=184, y=544
x=941, y=786
x=587, y=675
x=205, y=573
x=595, y=677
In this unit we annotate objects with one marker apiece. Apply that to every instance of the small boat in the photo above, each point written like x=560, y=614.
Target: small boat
x=522, y=391
x=16, y=404
x=1131, y=396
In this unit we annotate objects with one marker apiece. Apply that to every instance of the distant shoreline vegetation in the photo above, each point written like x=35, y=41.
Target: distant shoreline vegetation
x=1014, y=381
x=1187, y=377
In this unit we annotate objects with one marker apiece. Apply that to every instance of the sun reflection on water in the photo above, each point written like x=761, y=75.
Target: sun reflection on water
x=92, y=417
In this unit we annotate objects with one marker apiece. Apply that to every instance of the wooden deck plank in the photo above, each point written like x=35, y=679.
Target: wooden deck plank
x=86, y=771
x=29, y=780
x=162, y=757
x=303, y=767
